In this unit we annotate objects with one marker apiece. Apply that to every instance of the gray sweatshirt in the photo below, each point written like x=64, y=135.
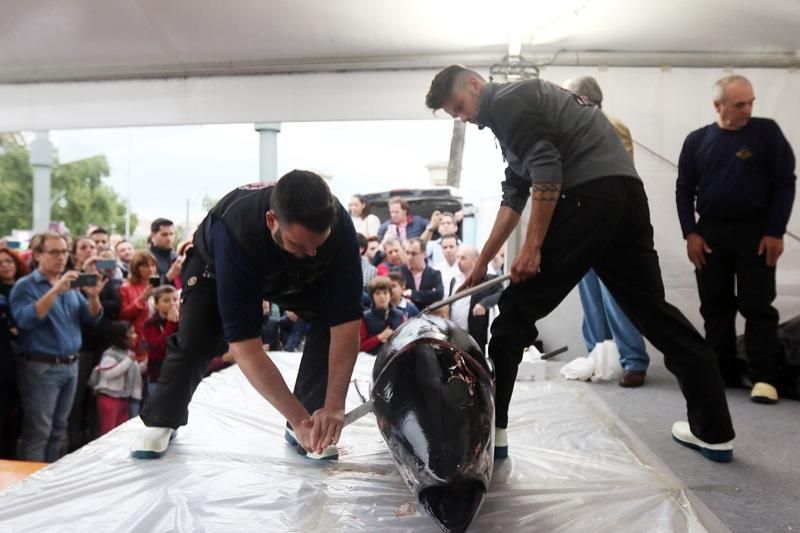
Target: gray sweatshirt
x=118, y=375
x=548, y=134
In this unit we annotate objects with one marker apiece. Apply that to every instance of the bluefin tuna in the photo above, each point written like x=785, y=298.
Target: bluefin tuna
x=433, y=395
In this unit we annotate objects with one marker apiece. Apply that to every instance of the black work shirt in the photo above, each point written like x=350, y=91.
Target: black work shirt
x=249, y=266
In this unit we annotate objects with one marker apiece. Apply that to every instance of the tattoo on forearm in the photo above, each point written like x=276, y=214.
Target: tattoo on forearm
x=546, y=192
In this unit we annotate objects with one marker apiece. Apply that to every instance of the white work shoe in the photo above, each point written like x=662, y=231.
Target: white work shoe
x=152, y=442
x=331, y=453
x=500, y=443
x=721, y=453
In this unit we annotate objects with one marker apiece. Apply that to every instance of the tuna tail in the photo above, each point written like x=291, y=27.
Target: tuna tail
x=453, y=506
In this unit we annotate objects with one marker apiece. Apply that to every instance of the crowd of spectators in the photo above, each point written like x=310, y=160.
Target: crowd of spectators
x=84, y=324
x=410, y=262
x=86, y=320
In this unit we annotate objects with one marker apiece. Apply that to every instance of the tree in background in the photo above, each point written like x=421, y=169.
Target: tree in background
x=16, y=184
x=88, y=199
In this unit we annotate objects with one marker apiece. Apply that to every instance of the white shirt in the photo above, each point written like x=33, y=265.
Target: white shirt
x=459, y=310
x=368, y=227
x=448, y=272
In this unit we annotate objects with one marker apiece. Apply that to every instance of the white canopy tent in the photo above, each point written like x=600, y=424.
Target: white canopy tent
x=88, y=63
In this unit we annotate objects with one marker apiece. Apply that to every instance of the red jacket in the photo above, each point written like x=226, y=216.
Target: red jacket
x=134, y=310
x=156, y=331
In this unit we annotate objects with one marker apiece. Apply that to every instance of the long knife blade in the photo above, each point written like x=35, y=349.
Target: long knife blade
x=358, y=412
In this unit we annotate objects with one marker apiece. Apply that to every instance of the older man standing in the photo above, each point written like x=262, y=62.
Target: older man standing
x=738, y=174
x=48, y=313
x=472, y=314
x=602, y=317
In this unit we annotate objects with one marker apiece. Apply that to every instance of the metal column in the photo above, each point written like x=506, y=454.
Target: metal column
x=268, y=151
x=42, y=162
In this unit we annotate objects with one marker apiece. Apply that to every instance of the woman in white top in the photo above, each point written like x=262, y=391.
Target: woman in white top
x=365, y=223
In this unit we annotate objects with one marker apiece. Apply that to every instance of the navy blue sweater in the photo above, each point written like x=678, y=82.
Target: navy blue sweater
x=736, y=175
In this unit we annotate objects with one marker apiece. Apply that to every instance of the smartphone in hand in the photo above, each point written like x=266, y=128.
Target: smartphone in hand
x=105, y=264
x=84, y=280
x=155, y=281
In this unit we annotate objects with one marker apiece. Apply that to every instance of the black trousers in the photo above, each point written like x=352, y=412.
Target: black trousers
x=200, y=338
x=735, y=278
x=82, y=424
x=605, y=225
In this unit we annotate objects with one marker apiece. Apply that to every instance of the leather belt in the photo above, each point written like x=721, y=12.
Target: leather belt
x=50, y=359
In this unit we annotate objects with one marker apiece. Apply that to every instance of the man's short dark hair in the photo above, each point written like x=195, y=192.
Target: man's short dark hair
x=449, y=236
x=121, y=241
x=155, y=227
x=362, y=242
x=442, y=85
x=97, y=230
x=302, y=197
x=373, y=238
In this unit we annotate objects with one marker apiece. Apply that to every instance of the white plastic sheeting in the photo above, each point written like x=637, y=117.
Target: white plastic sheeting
x=573, y=467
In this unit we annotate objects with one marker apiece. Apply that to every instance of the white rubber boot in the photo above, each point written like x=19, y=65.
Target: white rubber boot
x=152, y=442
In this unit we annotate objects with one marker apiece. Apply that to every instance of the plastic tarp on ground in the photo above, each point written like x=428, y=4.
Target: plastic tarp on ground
x=573, y=467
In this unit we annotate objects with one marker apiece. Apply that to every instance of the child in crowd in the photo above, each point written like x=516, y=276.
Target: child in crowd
x=379, y=323
x=404, y=305
x=118, y=378
x=161, y=324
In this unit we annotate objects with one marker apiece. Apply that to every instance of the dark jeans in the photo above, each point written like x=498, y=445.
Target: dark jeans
x=605, y=225
x=292, y=334
x=47, y=391
x=200, y=338
x=736, y=278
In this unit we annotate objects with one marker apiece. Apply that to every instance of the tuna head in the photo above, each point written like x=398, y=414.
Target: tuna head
x=434, y=402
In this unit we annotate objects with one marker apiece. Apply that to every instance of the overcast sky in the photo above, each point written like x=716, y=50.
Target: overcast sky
x=164, y=166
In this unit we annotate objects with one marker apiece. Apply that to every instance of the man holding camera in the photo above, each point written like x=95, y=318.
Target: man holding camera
x=48, y=313
x=294, y=245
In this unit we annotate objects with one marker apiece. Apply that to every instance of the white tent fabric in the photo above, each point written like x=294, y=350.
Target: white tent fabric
x=42, y=41
x=573, y=468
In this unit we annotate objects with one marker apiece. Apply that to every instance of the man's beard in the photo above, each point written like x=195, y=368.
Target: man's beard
x=278, y=238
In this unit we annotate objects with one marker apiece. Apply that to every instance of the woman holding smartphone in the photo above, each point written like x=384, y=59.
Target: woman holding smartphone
x=82, y=249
